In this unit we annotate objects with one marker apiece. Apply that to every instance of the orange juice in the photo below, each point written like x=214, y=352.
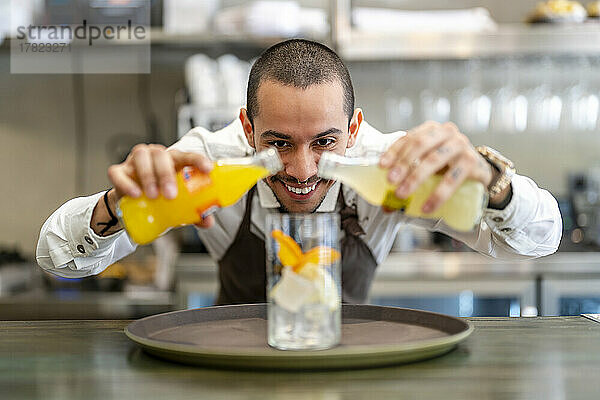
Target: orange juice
x=197, y=194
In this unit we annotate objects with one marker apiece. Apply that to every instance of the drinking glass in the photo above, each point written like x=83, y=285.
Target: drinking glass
x=303, y=280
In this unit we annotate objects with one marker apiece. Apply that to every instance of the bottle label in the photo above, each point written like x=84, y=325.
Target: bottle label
x=194, y=180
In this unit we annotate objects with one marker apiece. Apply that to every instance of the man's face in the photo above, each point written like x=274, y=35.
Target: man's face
x=301, y=124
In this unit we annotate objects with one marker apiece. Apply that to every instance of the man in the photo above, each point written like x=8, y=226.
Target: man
x=300, y=100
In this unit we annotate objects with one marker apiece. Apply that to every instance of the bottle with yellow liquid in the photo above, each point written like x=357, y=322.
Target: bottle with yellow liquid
x=197, y=195
x=462, y=211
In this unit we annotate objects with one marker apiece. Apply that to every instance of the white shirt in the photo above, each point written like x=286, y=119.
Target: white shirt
x=529, y=226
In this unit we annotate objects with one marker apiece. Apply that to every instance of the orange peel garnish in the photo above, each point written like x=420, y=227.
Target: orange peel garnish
x=321, y=255
x=290, y=254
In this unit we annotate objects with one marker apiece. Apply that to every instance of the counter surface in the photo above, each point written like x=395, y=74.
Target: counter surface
x=528, y=358
x=428, y=265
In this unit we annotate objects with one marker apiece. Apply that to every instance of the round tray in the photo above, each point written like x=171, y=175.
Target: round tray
x=236, y=337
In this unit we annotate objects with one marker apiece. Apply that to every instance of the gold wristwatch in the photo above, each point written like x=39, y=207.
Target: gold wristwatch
x=503, y=165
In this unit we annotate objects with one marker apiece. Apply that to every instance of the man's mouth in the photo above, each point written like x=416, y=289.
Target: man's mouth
x=302, y=192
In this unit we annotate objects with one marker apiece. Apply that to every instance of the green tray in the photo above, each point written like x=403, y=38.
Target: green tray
x=236, y=337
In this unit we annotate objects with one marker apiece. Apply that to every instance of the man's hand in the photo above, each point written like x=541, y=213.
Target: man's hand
x=151, y=169
x=427, y=149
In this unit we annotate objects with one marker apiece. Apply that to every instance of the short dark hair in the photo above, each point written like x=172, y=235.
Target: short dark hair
x=299, y=63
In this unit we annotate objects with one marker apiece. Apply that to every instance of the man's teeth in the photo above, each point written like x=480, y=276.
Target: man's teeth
x=304, y=190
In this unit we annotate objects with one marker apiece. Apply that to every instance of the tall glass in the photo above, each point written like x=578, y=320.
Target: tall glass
x=303, y=280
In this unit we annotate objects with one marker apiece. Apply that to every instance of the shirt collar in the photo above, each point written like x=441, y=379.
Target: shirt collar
x=268, y=199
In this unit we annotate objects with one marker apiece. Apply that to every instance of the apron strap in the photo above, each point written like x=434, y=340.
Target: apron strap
x=247, y=214
x=349, y=217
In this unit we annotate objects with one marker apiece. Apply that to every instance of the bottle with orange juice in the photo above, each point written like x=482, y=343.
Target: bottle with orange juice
x=198, y=193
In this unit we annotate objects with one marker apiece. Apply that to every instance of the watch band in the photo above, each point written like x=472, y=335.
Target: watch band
x=503, y=165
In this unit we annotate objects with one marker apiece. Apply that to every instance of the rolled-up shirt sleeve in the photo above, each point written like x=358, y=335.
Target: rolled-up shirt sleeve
x=529, y=226
x=68, y=246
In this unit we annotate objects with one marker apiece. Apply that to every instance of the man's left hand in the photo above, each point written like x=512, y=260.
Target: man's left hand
x=427, y=149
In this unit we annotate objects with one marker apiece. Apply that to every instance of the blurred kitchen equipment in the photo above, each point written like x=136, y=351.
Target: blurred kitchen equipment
x=385, y=20
x=15, y=271
x=593, y=10
x=584, y=192
x=202, y=80
x=188, y=16
x=216, y=91
x=558, y=11
x=95, y=11
x=272, y=18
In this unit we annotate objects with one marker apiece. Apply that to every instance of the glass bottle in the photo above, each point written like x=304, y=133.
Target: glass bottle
x=462, y=211
x=198, y=194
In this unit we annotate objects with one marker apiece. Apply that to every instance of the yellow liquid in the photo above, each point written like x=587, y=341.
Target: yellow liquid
x=145, y=219
x=461, y=212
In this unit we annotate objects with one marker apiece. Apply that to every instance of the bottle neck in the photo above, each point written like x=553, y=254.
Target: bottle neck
x=330, y=162
x=268, y=159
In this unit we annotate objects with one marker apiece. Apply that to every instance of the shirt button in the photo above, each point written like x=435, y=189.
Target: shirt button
x=497, y=219
x=506, y=230
x=80, y=248
x=88, y=239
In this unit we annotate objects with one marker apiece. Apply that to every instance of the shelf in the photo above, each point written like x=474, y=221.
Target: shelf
x=159, y=37
x=428, y=265
x=353, y=45
x=508, y=40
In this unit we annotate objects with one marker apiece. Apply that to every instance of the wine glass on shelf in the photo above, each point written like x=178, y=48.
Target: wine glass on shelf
x=434, y=99
x=509, y=105
x=399, y=106
x=472, y=106
x=546, y=104
x=581, y=103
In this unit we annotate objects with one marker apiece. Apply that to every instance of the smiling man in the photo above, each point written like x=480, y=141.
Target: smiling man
x=300, y=130
x=300, y=100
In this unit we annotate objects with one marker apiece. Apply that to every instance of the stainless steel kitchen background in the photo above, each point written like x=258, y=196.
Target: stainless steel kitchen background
x=531, y=92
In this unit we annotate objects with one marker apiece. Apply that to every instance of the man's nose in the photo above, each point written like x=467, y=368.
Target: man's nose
x=302, y=165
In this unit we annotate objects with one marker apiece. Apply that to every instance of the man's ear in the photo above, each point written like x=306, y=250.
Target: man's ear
x=355, y=122
x=247, y=126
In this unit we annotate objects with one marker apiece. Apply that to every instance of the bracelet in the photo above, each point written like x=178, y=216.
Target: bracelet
x=113, y=219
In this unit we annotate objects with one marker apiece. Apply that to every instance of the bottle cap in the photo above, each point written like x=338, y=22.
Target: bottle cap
x=327, y=163
x=270, y=160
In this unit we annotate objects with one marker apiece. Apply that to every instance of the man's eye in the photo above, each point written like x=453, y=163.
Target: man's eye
x=325, y=142
x=280, y=144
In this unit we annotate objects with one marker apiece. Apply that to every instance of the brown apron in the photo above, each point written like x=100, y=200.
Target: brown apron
x=242, y=270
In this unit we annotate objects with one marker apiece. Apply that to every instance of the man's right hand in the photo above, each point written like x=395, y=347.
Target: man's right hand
x=150, y=169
